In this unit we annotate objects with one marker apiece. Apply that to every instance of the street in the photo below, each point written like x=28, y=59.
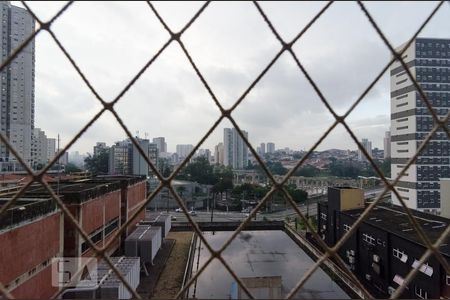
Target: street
x=221, y=216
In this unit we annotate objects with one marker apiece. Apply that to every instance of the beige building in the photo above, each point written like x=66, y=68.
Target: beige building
x=445, y=197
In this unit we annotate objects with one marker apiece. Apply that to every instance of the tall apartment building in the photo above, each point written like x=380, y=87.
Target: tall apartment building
x=51, y=148
x=125, y=159
x=160, y=144
x=99, y=147
x=204, y=152
x=218, y=154
x=368, y=146
x=184, y=150
x=17, y=84
x=428, y=59
x=387, y=144
x=39, y=152
x=263, y=148
x=270, y=147
x=235, y=151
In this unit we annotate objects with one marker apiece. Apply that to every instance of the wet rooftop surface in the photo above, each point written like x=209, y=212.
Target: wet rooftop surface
x=259, y=254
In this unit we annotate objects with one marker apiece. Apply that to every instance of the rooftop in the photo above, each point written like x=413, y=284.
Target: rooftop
x=25, y=210
x=77, y=191
x=393, y=219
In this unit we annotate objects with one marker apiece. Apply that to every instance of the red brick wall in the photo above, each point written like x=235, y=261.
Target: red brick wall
x=136, y=193
x=25, y=247
x=37, y=287
x=92, y=210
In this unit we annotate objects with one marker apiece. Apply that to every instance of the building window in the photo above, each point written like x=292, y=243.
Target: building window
x=425, y=268
x=420, y=293
x=369, y=239
x=346, y=228
x=447, y=279
x=399, y=254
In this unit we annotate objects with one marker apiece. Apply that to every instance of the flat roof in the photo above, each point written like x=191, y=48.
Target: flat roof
x=76, y=191
x=24, y=210
x=393, y=218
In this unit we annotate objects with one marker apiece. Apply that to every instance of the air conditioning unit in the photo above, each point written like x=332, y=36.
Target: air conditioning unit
x=368, y=277
x=351, y=260
x=352, y=252
x=376, y=258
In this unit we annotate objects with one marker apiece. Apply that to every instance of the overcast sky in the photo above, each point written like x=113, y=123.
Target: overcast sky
x=231, y=44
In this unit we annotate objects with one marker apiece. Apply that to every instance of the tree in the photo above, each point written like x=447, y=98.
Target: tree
x=164, y=167
x=307, y=171
x=200, y=171
x=97, y=164
x=72, y=168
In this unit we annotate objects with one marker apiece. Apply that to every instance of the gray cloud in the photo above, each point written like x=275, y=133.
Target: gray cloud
x=231, y=44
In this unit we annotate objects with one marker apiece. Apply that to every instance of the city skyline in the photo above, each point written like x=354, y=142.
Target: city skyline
x=282, y=108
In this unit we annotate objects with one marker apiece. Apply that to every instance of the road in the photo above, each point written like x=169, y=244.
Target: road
x=221, y=216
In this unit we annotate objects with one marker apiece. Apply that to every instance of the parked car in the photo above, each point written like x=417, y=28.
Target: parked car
x=173, y=218
x=192, y=213
x=178, y=210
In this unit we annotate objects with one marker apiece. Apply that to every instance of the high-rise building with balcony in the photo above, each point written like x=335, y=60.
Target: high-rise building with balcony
x=428, y=59
x=17, y=84
x=235, y=151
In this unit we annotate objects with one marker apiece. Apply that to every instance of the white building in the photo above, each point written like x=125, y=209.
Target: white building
x=387, y=144
x=218, y=154
x=160, y=144
x=235, y=151
x=17, y=82
x=51, y=148
x=184, y=150
x=39, y=148
x=368, y=146
x=428, y=61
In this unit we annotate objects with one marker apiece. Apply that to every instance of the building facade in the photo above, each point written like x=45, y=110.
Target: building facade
x=385, y=247
x=99, y=147
x=39, y=149
x=234, y=148
x=270, y=147
x=218, y=154
x=429, y=62
x=51, y=148
x=387, y=144
x=184, y=150
x=366, y=145
x=160, y=144
x=125, y=158
x=17, y=83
